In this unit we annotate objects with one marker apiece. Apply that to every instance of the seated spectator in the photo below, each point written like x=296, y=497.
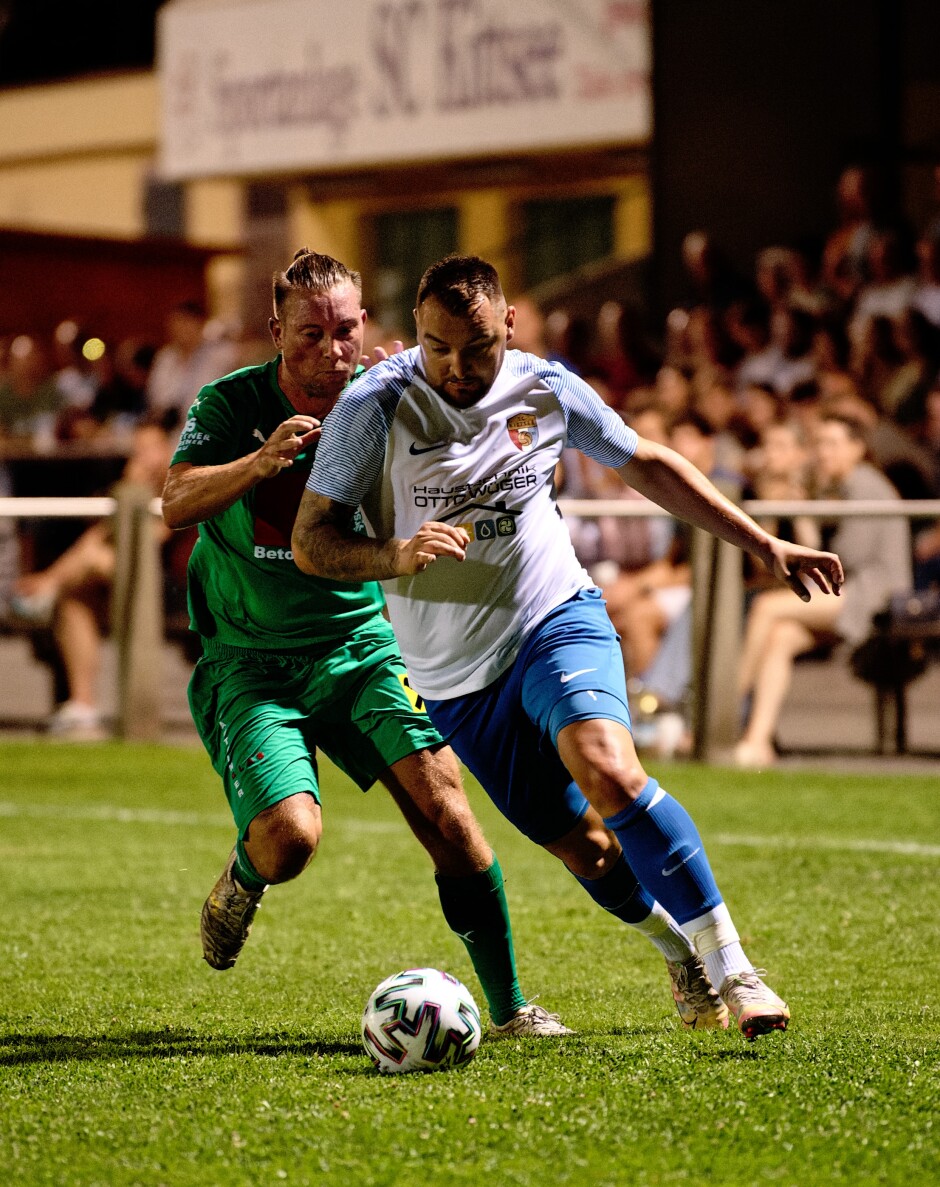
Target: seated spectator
x=890, y=287
x=876, y=554
x=623, y=355
x=926, y=299
x=749, y=326
x=760, y=406
x=846, y=251
x=607, y=545
x=73, y=593
x=778, y=468
x=832, y=354
x=918, y=346
x=74, y=374
x=121, y=399
x=568, y=339
x=909, y=467
x=188, y=360
x=646, y=604
x=792, y=332
x=30, y=403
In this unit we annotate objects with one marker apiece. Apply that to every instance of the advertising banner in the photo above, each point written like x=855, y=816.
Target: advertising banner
x=266, y=86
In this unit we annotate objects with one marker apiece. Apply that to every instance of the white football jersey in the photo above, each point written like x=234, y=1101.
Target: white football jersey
x=394, y=447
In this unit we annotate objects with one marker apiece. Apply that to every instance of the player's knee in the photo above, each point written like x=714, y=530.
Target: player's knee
x=282, y=841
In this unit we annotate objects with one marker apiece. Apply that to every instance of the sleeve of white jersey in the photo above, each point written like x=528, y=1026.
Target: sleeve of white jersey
x=351, y=450
x=593, y=427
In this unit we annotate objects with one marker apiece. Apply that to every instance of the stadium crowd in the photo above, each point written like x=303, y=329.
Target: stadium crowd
x=816, y=375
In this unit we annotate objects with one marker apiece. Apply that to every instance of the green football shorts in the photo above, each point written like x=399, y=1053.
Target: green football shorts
x=262, y=717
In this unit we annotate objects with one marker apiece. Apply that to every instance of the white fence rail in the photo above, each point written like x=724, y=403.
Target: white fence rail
x=138, y=620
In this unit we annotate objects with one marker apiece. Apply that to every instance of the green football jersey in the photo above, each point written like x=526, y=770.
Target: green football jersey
x=244, y=588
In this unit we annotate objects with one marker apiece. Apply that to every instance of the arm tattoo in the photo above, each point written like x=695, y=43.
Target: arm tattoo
x=325, y=543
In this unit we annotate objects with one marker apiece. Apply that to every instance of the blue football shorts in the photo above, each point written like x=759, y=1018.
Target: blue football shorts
x=570, y=668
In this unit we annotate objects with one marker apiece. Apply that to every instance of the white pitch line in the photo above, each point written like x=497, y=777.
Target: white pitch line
x=849, y=844
x=114, y=813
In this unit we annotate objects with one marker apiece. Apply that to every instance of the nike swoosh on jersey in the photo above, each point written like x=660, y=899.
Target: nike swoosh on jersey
x=415, y=449
x=668, y=873
x=566, y=676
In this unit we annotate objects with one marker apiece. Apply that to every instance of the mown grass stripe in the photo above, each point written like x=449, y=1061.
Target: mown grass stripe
x=114, y=813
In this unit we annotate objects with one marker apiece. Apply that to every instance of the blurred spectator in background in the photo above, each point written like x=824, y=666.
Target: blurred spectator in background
x=711, y=281
x=926, y=298
x=890, y=284
x=673, y=391
x=121, y=399
x=792, y=331
x=623, y=354
x=9, y=549
x=188, y=360
x=73, y=594
x=845, y=254
x=876, y=555
x=906, y=464
x=608, y=546
x=760, y=406
x=568, y=340
x=30, y=402
x=778, y=468
x=529, y=327
x=75, y=375
x=749, y=327
x=832, y=355
x=918, y=346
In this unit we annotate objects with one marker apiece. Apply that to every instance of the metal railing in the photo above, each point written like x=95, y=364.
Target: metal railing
x=717, y=596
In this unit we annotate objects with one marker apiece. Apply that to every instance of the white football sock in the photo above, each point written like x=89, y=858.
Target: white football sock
x=661, y=929
x=716, y=940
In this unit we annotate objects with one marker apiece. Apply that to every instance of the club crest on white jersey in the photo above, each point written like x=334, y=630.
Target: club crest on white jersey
x=523, y=429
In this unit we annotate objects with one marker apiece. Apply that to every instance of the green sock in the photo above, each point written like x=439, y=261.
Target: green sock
x=245, y=873
x=475, y=908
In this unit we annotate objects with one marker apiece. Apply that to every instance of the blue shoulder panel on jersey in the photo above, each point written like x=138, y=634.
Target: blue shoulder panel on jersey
x=351, y=450
x=593, y=427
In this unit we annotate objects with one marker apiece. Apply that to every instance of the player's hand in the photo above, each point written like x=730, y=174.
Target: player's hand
x=380, y=354
x=790, y=563
x=291, y=437
x=429, y=542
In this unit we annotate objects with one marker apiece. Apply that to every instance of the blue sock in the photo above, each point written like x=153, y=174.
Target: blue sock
x=619, y=892
x=662, y=844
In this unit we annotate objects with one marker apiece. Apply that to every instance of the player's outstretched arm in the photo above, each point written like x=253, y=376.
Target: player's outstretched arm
x=325, y=544
x=676, y=485
x=194, y=493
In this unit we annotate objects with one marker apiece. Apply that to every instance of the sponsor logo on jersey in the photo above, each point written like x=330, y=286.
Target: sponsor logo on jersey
x=523, y=430
x=192, y=435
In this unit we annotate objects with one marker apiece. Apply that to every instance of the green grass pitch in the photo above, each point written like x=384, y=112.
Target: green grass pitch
x=124, y=1059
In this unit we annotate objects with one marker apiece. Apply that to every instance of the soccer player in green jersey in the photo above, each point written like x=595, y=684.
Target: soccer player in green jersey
x=293, y=664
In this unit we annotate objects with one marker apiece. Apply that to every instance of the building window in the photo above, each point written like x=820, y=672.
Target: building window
x=405, y=243
x=560, y=236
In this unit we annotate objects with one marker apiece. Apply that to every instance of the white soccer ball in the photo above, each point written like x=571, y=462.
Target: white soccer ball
x=420, y=1020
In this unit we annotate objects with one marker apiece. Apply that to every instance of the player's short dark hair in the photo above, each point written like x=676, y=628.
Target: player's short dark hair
x=460, y=283
x=313, y=273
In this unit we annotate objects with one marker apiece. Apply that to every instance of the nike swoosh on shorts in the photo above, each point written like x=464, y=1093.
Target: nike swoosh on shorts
x=415, y=449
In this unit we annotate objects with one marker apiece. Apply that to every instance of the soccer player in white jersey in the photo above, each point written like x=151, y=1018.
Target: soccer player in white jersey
x=450, y=449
